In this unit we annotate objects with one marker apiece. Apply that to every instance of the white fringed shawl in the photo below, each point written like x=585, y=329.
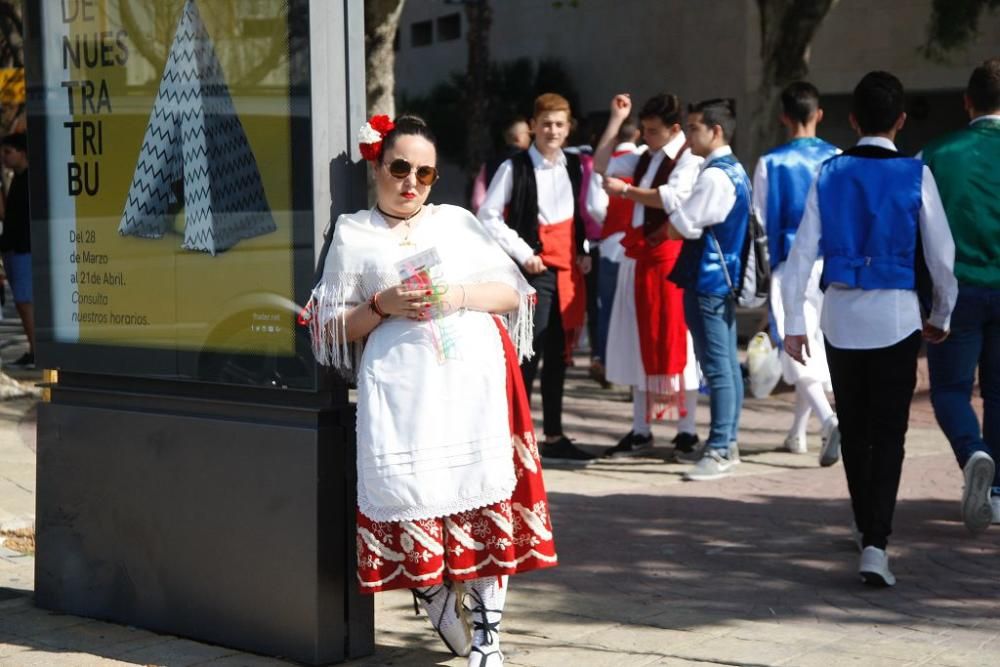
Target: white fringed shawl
x=433, y=438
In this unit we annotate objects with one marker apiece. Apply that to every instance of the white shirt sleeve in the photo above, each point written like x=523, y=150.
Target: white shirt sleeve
x=492, y=211
x=623, y=166
x=939, y=251
x=683, y=177
x=760, y=192
x=597, y=198
x=711, y=200
x=799, y=266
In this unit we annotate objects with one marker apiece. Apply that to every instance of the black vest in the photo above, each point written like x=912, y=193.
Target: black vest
x=522, y=213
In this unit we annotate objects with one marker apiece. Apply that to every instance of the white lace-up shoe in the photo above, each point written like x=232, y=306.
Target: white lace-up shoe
x=441, y=604
x=874, y=568
x=829, y=453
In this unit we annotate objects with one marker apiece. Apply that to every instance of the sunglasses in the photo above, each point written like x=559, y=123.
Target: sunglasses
x=400, y=168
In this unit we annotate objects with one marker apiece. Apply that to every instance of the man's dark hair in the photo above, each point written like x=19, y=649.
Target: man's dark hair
x=878, y=102
x=18, y=141
x=800, y=101
x=664, y=106
x=627, y=131
x=719, y=111
x=984, y=86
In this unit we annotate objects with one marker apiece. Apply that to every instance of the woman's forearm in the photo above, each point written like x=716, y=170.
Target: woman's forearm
x=485, y=297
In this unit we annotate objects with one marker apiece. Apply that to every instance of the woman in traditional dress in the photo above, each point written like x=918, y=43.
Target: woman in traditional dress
x=415, y=304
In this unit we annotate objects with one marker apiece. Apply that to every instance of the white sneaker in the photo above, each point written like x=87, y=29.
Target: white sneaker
x=995, y=505
x=829, y=453
x=977, y=511
x=795, y=444
x=874, y=568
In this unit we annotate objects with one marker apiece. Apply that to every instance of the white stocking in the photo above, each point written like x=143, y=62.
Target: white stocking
x=686, y=424
x=639, y=424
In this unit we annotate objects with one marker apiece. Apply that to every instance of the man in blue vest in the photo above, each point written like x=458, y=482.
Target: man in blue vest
x=713, y=222
x=964, y=164
x=781, y=182
x=877, y=217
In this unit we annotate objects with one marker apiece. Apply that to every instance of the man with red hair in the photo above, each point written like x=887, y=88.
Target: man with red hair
x=532, y=210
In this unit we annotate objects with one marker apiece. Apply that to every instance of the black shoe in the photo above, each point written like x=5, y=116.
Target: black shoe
x=632, y=444
x=26, y=361
x=685, y=442
x=564, y=451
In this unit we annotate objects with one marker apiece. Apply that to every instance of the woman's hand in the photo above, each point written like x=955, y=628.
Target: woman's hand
x=403, y=302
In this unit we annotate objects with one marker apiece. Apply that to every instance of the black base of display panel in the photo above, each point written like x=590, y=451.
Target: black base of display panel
x=217, y=528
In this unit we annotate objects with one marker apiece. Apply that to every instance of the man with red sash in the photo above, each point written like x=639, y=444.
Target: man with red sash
x=648, y=344
x=531, y=209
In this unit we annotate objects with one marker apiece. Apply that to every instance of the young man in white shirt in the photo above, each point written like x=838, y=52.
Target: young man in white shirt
x=647, y=336
x=713, y=221
x=532, y=210
x=878, y=219
x=781, y=182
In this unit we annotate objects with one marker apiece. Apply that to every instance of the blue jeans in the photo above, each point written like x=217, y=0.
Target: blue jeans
x=607, y=280
x=974, y=341
x=712, y=321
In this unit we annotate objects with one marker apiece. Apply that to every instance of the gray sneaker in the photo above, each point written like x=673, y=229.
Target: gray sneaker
x=977, y=512
x=712, y=465
x=693, y=456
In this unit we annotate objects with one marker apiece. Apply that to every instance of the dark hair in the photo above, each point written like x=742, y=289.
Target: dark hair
x=627, y=131
x=407, y=124
x=664, y=106
x=17, y=141
x=878, y=102
x=508, y=127
x=719, y=111
x=800, y=101
x=984, y=86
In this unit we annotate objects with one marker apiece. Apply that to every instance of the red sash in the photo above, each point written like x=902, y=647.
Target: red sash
x=659, y=303
x=559, y=252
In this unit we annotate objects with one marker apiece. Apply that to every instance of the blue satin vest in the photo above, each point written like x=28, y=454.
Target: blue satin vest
x=870, y=211
x=731, y=233
x=791, y=169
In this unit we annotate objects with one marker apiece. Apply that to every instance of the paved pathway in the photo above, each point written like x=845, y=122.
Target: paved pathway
x=758, y=569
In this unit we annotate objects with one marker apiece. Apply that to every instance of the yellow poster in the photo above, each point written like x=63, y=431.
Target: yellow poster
x=172, y=167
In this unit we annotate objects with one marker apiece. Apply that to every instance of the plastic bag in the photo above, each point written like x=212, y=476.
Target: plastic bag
x=763, y=365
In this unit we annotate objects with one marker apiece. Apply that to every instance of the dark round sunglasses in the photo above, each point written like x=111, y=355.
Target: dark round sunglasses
x=400, y=168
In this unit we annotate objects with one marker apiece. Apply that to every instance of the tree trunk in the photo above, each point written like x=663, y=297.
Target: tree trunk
x=479, y=15
x=381, y=24
x=787, y=28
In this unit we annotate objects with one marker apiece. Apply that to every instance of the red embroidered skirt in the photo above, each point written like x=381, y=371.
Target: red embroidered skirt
x=508, y=537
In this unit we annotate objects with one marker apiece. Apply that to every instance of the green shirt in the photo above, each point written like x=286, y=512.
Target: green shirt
x=966, y=166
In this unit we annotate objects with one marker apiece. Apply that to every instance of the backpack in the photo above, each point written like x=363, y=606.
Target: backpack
x=754, y=284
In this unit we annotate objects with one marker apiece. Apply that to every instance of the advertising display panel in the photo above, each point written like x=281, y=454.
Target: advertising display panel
x=171, y=188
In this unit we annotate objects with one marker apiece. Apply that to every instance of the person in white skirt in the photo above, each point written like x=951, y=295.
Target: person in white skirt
x=781, y=182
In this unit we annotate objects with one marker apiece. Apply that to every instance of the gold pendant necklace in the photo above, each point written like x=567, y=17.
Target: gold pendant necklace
x=406, y=221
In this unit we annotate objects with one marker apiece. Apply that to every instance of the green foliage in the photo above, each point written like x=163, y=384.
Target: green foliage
x=513, y=87
x=953, y=24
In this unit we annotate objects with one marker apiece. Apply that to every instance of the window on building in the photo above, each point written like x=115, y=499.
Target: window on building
x=449, y=27
x=421, y=33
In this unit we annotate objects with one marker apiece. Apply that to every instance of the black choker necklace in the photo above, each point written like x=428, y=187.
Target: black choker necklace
x=397, y=217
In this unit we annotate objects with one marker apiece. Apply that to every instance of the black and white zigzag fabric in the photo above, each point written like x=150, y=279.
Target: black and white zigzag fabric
x=195, y=153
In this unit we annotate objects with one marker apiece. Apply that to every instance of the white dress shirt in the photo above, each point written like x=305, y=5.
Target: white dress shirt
x=681, y=181
x=710, y=202
x=555, y=201
x=858, y=319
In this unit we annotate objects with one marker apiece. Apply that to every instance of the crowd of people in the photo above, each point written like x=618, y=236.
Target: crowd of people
x=445, y=318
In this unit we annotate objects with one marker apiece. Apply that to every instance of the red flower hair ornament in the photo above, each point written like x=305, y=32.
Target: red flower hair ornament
x=371, y=134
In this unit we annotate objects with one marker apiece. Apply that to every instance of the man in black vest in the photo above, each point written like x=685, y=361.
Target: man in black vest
x=531, y=209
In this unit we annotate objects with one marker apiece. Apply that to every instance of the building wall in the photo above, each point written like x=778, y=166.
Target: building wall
x=709, y=48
